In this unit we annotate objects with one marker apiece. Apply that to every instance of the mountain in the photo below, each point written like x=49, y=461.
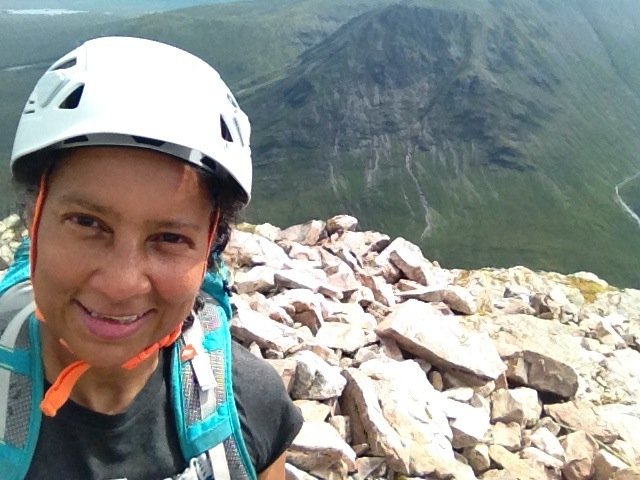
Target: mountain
x=491, y=132
x=490, y=135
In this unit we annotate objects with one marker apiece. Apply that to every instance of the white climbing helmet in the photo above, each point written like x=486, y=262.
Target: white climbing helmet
x=136, y=92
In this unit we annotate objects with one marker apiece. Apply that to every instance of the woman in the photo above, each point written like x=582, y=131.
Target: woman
x=138, y=158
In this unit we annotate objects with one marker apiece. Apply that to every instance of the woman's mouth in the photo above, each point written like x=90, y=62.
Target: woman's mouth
x=112, y=326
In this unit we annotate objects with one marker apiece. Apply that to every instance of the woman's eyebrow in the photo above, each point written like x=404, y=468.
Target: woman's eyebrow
x=80, y=201
x=177, y=225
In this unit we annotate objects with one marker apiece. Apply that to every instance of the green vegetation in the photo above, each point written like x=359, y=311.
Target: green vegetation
x=40, y=39
x=512, y=120
x=523, y=129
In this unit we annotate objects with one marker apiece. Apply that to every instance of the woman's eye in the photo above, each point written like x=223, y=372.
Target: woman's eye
x=84, y=221
x=173, y=238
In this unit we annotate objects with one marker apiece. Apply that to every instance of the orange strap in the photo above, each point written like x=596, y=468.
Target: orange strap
x=151, y=349
x=60, y=391
x=35, y=223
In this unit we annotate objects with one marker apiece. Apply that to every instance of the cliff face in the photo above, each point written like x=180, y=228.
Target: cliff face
x=402, y=367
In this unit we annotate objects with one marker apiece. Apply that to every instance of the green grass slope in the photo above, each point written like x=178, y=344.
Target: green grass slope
x=509, y=123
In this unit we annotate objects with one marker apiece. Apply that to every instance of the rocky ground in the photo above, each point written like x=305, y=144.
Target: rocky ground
x=403, y=369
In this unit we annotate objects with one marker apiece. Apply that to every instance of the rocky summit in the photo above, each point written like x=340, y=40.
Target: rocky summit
x=403, y=369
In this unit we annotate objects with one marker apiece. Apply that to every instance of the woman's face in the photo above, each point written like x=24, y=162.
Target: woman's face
x=122, y=241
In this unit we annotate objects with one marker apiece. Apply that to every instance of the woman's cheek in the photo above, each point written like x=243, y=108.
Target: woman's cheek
x=179, y=283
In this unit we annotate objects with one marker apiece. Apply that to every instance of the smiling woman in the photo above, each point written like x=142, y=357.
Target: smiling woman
x=136, y=280
x=138, y=156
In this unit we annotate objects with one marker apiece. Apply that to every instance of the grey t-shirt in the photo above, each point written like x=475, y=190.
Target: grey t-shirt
x=141, y=443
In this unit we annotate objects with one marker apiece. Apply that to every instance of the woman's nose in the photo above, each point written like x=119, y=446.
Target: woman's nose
x=122, y=273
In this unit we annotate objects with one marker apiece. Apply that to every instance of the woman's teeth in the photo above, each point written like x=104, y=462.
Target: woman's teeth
x=122, y=319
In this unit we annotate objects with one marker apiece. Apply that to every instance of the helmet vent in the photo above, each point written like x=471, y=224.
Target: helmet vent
x=78, y=139
x=66, y=64
x=148, y=141
x=226, y=134
x=29, y=107
x=73, y=99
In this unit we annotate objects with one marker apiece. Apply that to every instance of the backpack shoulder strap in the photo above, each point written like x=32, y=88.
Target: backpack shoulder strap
x=21, y=381
x=202, y=392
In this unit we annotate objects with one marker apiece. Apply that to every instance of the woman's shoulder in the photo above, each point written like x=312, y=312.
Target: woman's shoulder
x=269, y=419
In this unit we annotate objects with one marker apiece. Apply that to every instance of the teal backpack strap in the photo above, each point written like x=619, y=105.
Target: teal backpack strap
x=21, y=381
x=202, y=390
x=202, y=393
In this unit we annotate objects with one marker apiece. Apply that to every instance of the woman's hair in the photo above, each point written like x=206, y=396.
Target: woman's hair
x=227, y=196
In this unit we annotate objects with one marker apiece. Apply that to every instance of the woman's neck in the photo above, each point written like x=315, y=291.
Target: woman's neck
x=108, y=390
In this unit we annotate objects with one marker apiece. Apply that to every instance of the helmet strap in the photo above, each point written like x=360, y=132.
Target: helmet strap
x=35, y=223
x=59, y=392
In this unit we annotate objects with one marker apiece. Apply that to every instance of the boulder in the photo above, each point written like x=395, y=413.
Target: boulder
x=420, y=329
x=307, y=233
x=341, y=223
x=401, y=415
x=258, y=279
x=520, y=405
x=315, y=378
x=250, y=326
x=581, y=415
x=580, y=450
x=342, y=336
x=319, y=450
